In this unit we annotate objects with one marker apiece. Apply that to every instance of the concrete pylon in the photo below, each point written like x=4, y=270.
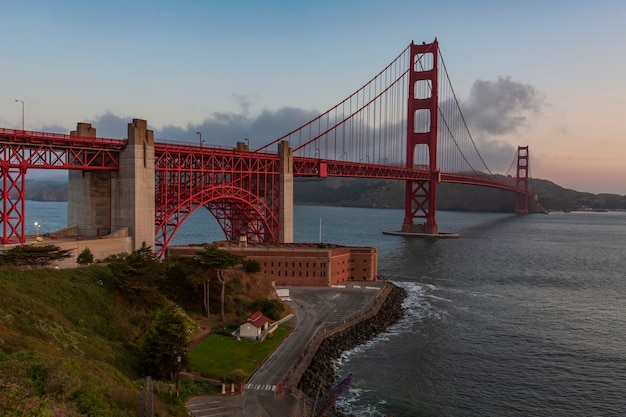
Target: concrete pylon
x=286, y=192
x=132, y=202
x=89, y=195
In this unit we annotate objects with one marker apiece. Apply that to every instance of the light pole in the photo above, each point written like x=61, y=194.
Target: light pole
x=248, y=142
x=178, y=363
x=37, y=226
x=200, y=135
x=21, y=101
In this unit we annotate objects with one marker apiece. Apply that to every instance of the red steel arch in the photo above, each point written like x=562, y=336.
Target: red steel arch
x=236, y=210
x=240, y=188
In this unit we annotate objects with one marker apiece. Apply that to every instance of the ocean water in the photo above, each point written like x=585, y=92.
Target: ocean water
x=521, y=316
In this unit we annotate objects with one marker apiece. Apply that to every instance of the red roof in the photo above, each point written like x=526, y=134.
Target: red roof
x=258, y=319
x=254, y=316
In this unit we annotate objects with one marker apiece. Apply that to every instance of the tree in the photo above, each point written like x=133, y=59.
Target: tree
x=163, y=353
x=137, y=276
x=218, y=260
x=85, y=257
x=35, y=256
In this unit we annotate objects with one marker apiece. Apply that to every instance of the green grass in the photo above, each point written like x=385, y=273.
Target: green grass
x=218, y=355
x=68, y=344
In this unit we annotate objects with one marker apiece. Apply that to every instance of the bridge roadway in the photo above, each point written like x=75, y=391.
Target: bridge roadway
x=315, y=309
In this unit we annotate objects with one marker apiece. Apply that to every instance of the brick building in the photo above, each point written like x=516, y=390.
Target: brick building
x=305, y=264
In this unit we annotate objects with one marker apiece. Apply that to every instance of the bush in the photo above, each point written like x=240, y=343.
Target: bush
x=270, y=308
x=85, y=257
x=223, y=330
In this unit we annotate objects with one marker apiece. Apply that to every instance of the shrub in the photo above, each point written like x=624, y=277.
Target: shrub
x=35, y=256
x=85, y=257
x=270, y=308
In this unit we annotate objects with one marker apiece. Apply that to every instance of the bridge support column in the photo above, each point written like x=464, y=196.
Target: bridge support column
x=286, y=192
x=89, y=196
x=13, y=203
x=422, y=118
x=133, y=194
x=521, y=200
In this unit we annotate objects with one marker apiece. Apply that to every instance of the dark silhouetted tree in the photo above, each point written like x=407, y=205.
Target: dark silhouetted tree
x=218, y=260
x=137, y=276
x=163, y=353
x=34, y=256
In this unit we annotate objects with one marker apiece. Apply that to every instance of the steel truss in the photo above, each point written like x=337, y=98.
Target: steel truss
x=21, y=150
x=241, y=189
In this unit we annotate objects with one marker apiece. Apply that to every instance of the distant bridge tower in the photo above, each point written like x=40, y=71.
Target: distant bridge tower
x=422, y=130
x=521, y=200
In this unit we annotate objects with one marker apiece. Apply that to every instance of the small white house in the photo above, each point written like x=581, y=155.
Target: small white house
x=254, y=327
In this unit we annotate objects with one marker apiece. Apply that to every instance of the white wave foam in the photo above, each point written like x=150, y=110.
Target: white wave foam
x=416, y=306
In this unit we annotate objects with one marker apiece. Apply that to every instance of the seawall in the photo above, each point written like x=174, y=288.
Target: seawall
x=318, y=376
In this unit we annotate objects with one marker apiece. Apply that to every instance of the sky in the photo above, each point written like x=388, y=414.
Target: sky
x=549, y=74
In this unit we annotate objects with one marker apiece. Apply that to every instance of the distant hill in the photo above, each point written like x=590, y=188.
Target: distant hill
x=455, y=197
x=46, y=190
x=354, y=192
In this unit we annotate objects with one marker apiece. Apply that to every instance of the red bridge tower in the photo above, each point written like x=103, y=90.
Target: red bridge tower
x=422, y=130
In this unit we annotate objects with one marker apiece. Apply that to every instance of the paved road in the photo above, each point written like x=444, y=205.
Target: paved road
x=315, y=308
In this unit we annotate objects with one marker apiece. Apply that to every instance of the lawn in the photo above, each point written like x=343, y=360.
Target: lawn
x=218, y=354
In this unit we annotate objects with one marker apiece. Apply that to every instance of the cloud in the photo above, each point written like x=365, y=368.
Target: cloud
x=53, y=129
x=224, y=129
x=110, y=125
x=501, y=107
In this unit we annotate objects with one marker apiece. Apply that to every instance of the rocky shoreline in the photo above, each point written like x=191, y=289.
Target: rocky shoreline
x=319, y=377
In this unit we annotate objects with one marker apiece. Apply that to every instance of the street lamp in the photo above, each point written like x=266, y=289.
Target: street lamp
x=178, y=364
x=21, y=101
x=200, y=135
x=37, y=226
x=248, y=142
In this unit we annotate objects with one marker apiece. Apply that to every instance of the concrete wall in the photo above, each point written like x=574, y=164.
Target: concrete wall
x=101, y=248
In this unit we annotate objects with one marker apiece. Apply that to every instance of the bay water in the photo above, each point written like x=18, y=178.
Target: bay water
x=520, y=316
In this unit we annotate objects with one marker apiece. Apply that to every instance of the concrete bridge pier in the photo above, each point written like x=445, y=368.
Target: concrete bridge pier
x=89, y=196
x=100, y=203
x=132, y=192
x=286, y=192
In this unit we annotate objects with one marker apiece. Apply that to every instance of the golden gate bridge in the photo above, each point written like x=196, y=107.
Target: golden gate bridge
x=404, y=124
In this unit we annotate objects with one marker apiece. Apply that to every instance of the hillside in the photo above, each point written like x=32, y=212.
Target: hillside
x=389, y=193
x=46, y=190
x=69, y=346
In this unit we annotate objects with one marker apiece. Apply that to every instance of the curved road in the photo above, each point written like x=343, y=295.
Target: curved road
x=314, y=309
